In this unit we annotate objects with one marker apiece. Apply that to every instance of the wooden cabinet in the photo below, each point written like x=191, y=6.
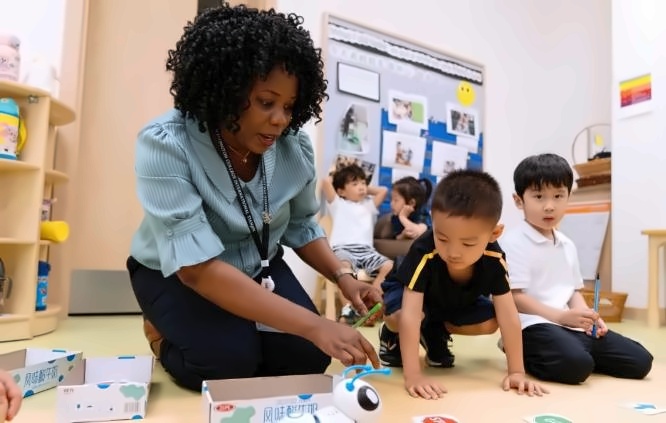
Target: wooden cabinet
x=24, y=183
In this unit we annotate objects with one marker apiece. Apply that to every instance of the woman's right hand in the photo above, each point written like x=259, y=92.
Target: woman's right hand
x=343, y=343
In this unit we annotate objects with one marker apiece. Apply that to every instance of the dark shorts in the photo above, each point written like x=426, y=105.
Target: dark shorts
x=480, y=311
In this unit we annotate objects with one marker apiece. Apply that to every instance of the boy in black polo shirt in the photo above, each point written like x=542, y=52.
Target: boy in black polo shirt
x=443, y=286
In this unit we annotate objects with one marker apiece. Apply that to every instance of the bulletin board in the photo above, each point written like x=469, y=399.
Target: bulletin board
x=398, y=108
x=586, y=224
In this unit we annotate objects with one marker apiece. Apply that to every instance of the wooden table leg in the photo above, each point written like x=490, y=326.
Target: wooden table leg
x=653, y=315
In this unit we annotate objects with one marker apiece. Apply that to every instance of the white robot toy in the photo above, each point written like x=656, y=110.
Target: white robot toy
x=354, y=401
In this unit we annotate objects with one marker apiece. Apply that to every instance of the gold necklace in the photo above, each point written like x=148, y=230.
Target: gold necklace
x=242, y=157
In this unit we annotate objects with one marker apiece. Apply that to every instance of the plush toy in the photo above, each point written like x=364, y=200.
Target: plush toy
x=12, y=129
x=354, y=401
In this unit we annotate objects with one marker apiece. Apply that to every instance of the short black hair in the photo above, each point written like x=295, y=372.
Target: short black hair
x=347, y=174
x=542, y=170
x=468, y=193
x=227, y=49
x=411, y=188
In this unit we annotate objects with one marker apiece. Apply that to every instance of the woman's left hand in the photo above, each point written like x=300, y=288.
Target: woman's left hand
x=362, y=295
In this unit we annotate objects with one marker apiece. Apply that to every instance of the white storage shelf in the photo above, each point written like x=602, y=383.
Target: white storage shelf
x=24, y=183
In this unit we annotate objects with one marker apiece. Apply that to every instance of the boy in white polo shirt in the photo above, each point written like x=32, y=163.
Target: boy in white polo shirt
x=545, y=280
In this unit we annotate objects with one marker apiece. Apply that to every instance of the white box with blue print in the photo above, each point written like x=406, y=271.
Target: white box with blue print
x=106, y=389
x=36, y=370
x=266, y=399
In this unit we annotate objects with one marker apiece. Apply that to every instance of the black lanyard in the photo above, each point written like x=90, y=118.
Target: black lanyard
x=261, y=243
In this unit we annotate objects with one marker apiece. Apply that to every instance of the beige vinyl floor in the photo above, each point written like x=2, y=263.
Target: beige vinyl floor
x=474, y=394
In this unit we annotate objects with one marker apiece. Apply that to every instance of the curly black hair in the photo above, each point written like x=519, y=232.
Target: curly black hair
x=226, y=49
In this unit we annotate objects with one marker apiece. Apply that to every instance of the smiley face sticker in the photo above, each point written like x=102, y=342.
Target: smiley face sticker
x=465, y=93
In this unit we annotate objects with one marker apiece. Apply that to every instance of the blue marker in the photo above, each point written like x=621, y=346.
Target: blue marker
x=597, y=286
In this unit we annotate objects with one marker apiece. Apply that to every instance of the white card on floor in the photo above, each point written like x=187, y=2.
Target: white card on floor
x=263, y=328
x=644, y=408
x=435, y=418
x=547, y=418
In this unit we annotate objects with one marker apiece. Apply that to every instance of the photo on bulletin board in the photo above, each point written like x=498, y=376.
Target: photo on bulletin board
x=358, y=81
x=468, y=143
x=407, y=110
x=395, y=103
x=446, y=158
x=353, y=134
x=403, y=151
x=462, y=121
x=397, y=174
x=342, y=160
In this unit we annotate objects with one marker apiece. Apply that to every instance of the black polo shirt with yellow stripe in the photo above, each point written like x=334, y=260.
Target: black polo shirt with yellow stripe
x=423, y=270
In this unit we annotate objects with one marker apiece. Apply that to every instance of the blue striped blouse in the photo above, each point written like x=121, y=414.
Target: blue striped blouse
x=191, y=213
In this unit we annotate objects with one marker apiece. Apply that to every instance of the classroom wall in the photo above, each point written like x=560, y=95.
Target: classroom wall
x=639, y=46
x=39, y=24
x=547, y=65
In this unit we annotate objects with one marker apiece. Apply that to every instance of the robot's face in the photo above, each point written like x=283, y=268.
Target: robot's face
x=361, y=404
x=367, y=398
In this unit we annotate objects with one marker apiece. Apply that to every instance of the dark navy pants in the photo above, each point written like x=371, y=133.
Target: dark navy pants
x=204, y=342
x=558, y=354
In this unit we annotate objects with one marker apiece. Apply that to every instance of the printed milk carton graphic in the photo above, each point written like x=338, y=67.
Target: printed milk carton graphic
x=105, y=389
x=36, y=370
x=265, y=399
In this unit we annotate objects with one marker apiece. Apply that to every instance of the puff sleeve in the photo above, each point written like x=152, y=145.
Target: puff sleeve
x=171, y=203
x=303, y=228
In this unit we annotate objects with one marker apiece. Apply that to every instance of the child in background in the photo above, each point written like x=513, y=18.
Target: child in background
x=545, y=279
x=410, y=216
x=444, y=283
x=353, y=206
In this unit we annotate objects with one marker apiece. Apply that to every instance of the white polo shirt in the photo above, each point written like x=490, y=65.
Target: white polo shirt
x=546, y=270
x=353, y=221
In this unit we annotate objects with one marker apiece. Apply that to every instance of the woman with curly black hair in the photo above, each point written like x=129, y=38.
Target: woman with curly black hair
x=225, y=179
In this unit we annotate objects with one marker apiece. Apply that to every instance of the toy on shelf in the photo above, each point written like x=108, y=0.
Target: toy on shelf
x=354, y=401
x=10, y=57
x=5, y=285
x=12, y=129
x=54, y=231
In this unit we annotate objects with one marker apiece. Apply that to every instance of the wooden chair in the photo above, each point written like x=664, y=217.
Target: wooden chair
x=325, y=297
x=656, y=240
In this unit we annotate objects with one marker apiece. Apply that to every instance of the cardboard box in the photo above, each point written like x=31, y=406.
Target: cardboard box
x=36, y=370
x=265, y=399
x=106, y=388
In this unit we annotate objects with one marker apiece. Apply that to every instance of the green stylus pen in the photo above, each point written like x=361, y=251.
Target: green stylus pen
x=371, y=313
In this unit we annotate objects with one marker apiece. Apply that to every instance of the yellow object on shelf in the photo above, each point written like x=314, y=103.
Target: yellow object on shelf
x=54, y=231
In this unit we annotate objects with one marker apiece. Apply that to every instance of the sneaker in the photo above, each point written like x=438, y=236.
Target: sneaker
x=435, y=340
x=348, y=315
x=389, y=347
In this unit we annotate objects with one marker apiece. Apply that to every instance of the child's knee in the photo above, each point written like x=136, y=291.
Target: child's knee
x=392, y=320
x=487, y=327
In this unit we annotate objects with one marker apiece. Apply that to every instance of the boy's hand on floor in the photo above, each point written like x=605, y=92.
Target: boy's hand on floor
x=522, y=384
x=10, y=397
x=421, y=386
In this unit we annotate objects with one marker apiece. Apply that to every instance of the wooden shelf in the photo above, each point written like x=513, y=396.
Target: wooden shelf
x=25, y=183
x=59, y=115
x=45, y=321
x=55, y=177
x=14, y=327
x=7, y=165
x=15, y=241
